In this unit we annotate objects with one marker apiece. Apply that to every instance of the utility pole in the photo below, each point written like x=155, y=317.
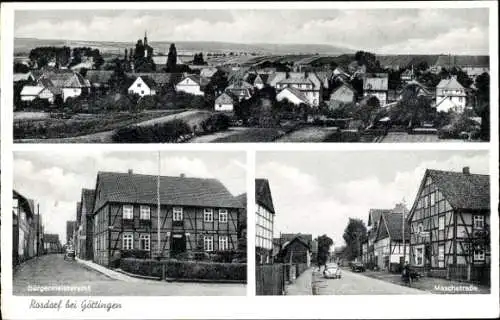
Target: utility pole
x=403, y=228
x=158, y=205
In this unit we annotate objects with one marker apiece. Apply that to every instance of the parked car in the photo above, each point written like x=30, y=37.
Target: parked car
x=70, y=254
x=332, y=271
x=358, y=267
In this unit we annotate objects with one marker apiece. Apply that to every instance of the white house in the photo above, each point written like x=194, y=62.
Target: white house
x=293, y=95
x=450, y=95
x=191, y=84
x=378, y=86
x=23, y=77
x=30, y=93
x=224, y=102
x=143, y=86
x=306, y=82
x=70, y=83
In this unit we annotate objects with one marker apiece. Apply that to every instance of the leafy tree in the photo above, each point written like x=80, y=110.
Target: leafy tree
x=198, y=59
x=219, y=82
x=482, y=106
x=172, y=58
x=462, y=77
x=354, y=235
x=21, y=68
x=324, y=245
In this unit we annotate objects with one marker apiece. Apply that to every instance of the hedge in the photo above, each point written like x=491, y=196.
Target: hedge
x=165, y=132
x=193, y=270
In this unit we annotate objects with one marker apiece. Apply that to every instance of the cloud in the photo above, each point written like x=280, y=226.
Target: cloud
x=379, y=30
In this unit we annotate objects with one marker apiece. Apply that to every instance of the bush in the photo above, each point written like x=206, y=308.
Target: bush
x=216, y=122
x=136, y=253
x=165, y=132
x=186, y=269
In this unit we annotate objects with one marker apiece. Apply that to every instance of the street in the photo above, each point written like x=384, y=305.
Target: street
x=55, y=276
x=357, y=283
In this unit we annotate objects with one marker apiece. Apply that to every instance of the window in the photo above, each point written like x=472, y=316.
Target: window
x=145, y=241
x=441, y=256
x=420, y=227
x=145, y=213
x=223, y=243
x=178, y=214
x=128, y=241
x=223, y=215
x=441, y=222
x=139, y=85
x=433, y=199
x=478, y=222
x=208, y=243
x=128, y=212
x=208, y=215
x=479, y=255
x=419, y=256
x=142, y=91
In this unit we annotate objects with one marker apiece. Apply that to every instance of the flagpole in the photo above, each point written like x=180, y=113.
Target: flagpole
x=158, y=204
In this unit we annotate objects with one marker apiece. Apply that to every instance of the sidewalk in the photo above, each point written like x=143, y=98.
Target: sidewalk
x=107, y=272
x=302, y=285
x=433, y=285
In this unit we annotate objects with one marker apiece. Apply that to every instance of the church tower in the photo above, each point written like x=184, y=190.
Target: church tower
x=146, y=44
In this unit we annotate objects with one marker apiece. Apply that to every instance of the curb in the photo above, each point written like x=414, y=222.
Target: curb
x=138, y=276
x=177, y=279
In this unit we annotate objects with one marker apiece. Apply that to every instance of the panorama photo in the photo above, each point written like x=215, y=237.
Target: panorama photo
x=176, y=76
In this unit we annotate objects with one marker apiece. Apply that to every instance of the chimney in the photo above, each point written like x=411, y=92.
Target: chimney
x=130, y=171
x=183, y=175
x=466, y=170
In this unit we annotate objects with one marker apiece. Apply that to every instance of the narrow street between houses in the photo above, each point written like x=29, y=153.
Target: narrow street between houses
x=358, y=284
x=51, y=275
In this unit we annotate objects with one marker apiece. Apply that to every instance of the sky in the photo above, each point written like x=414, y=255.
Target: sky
x=316, y=192
x=55, y=179
x=390, y=31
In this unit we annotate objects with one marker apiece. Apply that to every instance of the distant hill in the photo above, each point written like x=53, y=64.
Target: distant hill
x=24, y=45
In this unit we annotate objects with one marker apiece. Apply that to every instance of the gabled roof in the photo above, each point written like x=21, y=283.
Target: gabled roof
x=161, y=78
x=240, y=85
x=181, y=191
x=296, y=239
x=22, y=76
x=224, y=99
x=88, y=198
x=392, y=225
x=376, y=84
x=28, y=204
x=375, y=214
x=149, y=82
x=31, y=90
x=99, y=76
x=263, y=194
x=277, y=77
x=242, y=198
x=197, y=79
x=288, y=237
x=66, y=79
x=297, y=93
x=207, y=72
x=342, y=90
x=461, y=190
x=450, y=84
x=295, y=81
x=261, y=78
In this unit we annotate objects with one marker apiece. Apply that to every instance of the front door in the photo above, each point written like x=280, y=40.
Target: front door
x=178, y=243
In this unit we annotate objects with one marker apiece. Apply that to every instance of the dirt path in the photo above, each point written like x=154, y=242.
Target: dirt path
x=192, y=117
x=217, y=135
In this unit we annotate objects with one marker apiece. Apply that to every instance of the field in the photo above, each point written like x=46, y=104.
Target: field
x=253, y=135
x=309, y=134
x=51, y=127
x=402, y=137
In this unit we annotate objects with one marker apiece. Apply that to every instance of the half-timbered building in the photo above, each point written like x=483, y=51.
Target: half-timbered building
x=195, y=215
x=264, y=217
x=450, y=221
x=390, y=251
